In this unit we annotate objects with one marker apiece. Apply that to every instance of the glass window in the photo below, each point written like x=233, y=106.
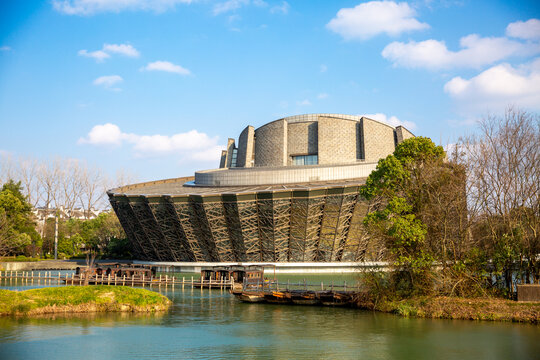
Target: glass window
x=234, y=156
x=305, y=160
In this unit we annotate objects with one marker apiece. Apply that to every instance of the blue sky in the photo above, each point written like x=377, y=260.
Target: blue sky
x=157, y=87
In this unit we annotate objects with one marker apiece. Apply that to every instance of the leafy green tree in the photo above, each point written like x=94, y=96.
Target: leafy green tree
x=396, y=191
x=118, y=248
x=65, y=245
x=98, y=232
x=17, y=229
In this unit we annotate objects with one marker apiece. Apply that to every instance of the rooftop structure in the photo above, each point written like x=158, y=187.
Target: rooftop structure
x=285, y=192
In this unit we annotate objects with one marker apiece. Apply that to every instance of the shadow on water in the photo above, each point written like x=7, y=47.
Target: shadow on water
x=212, y=324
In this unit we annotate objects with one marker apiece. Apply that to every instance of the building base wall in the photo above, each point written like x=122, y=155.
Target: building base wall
x=281, y=268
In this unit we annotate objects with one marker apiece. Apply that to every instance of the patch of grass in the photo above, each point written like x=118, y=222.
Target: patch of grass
x=492, y=309
x=405, y=309
x=20, y=258
x=64, y=299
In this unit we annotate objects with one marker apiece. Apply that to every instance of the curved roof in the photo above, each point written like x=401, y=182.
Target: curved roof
x=178, y=187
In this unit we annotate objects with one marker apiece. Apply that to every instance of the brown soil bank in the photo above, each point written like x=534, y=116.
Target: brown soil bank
x=459, y=308
x=81, y=299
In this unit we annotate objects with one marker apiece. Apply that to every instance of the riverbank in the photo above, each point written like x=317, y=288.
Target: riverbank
x=81, y=299
x=458, y=308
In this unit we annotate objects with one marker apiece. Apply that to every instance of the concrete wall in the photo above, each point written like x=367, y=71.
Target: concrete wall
x=528, y=292
x=403, y=134
x=223, y=160
x=301, y=139
x=337, y=141
x=335, y=138
x=378, y=139
x=271, y=144
x=283, y=175
x=281, y=268
x=228, y=157
x=246, y=142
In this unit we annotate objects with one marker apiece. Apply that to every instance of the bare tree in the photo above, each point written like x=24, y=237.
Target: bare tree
x=7, y=167
x=49, y=175
x=61, y=182
x=70, y=178
x=93, y=187
x=28, y=172
x=123, y=177
x=504, y=182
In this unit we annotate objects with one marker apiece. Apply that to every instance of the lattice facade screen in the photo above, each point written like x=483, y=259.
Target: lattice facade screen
x=308, y=225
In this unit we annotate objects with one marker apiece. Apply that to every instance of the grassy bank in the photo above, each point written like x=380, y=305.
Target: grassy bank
x=458, y=308
x=80, y=299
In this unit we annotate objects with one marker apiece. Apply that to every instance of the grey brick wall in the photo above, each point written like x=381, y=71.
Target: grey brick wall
x=230, y=148
x=301, y=139
x=245, y=147
x=337, y=141
x=378, y=140
x=223, y=159
x=403, y=134
x=335, y=138
x=271, y=144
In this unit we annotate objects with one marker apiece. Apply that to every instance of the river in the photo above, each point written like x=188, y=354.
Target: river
x=212, y=324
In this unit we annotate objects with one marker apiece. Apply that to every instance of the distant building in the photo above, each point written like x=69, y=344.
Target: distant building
x=285, y=192
x=42, y=213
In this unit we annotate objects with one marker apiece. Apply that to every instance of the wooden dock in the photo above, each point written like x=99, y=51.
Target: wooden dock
x=58, y=278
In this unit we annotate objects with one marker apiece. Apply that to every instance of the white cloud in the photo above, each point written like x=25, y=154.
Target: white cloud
x=283, y=8
x=5, y=48
x=529, y=29
x=107, y=134
x=234, y=18
x=99, y=55
x=476, y=51
x=108, y=81
x=91, y=7
x=323, y=68
x=497, y=87
x=108, y=49
x=304, y=102
x=391, y=120
x=123, y=49
x=373, y=18
x=212, y=154
x=229, y=5
x=192, y=144
x=232, y=5
x=167, y=67
x=322, y=96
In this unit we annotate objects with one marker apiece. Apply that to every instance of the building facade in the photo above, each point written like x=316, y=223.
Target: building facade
x=285, y=192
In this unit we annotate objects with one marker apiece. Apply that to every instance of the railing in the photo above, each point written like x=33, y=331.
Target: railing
x=58, y=278
x=302, y=286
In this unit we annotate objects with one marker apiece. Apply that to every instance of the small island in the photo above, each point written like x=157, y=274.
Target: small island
x=81, y=299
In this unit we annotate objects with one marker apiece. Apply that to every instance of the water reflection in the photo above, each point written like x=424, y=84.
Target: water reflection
x=212, y=324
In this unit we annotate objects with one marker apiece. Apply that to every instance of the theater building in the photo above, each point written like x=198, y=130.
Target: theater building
x=284, y=192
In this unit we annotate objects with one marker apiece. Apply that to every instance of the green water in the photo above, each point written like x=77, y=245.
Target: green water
x=212, y=324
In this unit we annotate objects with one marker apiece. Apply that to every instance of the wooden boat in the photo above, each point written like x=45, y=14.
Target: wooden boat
x=250, y=297
x=334, y=298
x=304, y=298
x=277, y=297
